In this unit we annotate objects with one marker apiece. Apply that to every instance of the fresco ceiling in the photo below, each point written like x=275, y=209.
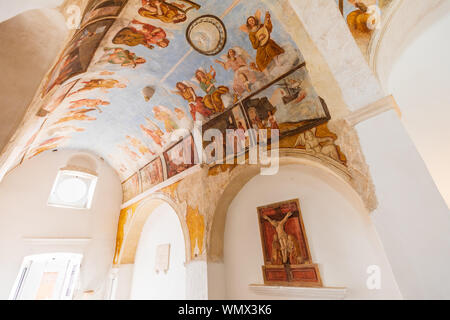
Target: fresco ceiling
x=135, y=75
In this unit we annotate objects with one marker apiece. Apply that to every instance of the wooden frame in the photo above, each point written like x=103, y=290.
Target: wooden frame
x=194, y=155
x=297, y=269
x=141, y=173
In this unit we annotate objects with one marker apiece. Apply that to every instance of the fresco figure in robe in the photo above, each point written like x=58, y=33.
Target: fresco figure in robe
x=213, y=98
x=244, y=76
x=103, y=84
x=148, y=36
x=162, y=10
x=267, y=50
x=139, y=145
x=153, y=132
x=88, y=103
x=130, y=153
x=77, y=117
x=165, y=115
x=196, y=105
x=124, y=58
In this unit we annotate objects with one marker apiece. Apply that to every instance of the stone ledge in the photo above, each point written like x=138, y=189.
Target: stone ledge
x=325, y=293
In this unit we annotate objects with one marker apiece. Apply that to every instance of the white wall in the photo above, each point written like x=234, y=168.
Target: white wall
x=341, y=236
x=420, y=83
x=24, y=214
x=162, y=227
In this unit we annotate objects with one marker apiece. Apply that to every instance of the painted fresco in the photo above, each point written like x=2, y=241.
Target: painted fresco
x=97, y=9
x=78, y=53
x=363, y=17
x=180, y=157
x=289, y=104
x=146, y=85
x=152, y=174
x=131, y=187
x=232, y=119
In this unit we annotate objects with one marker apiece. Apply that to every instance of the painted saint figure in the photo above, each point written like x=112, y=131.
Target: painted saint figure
x=259, y=35
x=89, y=103
x=148, y=36
x=125, y=58
x=103, y=84
x=213, y=98
x=244, y=76
x=162, y=10
x=196, y=104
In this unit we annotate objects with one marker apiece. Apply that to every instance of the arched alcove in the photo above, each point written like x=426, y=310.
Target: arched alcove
x=341, y=236
x=286, y=157
x=162, y=228
x=133, y=229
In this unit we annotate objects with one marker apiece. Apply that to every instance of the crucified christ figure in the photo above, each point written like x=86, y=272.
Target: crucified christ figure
x=282, y=235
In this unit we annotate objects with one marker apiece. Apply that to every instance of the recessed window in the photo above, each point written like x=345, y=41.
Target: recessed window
x=73, y=189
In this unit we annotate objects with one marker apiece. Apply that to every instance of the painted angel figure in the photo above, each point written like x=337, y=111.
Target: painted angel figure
x=153, y=132
x=197, y=108
x=267, y=50
x=135, y=142
x=125, y=58
x=365, y=18
x=244, y=77
x=103, y=84
x=166, y=115
x=148, y=36
x=317, y=145
x=162, y=10
x=213, y=98
x=89, y=103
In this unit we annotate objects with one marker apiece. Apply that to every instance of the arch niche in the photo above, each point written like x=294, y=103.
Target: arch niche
x=342, y=238
x=156, y=221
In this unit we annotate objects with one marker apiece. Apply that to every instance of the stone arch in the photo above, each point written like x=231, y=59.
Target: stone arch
x=215, y=235
x=132, y=234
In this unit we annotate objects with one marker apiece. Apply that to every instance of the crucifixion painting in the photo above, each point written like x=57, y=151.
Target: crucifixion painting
x=287, y=259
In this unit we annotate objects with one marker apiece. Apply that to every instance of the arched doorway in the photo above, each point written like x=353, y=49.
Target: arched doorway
x=161, y=245
x=342, y=237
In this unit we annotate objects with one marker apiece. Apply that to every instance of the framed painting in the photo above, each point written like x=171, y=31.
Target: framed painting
x=96, y=9
x=287, y=259
x=180, y=157
x=78, y=53
x=152, y=174
x=130, y=187
x=56, y=99
x=289, y=104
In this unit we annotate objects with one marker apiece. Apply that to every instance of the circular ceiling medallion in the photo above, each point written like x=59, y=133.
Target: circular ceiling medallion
x=207, y=35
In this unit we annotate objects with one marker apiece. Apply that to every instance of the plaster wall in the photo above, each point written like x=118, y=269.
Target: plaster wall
x=341, y=236
x=24, y=214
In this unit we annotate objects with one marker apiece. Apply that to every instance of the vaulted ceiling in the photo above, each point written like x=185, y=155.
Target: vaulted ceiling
x=114, y=89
